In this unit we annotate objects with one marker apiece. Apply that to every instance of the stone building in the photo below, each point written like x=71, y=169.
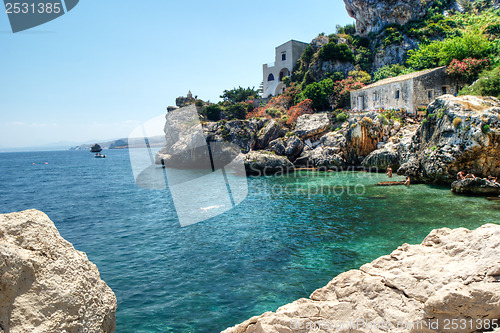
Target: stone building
x=286, y=57
x=409, y=91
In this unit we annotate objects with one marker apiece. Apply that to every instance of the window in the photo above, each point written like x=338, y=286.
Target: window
x=283, y=56
x=430, y=94
x=445, y=90
x=270, y=77
x=396, y=94
x=374, y=96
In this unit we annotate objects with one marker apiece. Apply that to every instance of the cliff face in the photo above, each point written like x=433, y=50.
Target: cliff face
x=453, y=274
x=373, y=15
x=45, y=284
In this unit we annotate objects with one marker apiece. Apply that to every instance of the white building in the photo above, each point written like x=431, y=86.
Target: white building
x=286, y=57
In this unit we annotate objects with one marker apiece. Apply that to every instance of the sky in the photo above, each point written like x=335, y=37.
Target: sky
x=103, y=68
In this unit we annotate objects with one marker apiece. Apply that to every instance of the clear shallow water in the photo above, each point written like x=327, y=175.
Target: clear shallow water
x=283, y=242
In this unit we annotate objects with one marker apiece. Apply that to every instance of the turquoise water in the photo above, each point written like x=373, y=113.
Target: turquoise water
x=289, y=237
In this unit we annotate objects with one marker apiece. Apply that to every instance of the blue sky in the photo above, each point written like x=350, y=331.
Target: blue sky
x=104, y=67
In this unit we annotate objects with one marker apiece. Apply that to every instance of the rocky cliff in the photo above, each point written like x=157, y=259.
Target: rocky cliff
x=373, y=15
x=45, y=284
x=458, y=134
x=453, y=277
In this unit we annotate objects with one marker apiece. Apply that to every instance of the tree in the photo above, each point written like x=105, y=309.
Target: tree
x=316, y=93
x=238, y=95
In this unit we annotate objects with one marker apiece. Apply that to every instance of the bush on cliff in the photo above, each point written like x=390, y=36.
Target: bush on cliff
x=442, y=53
x=212, y=112
x=304, y=107
x=487, y=85
x=333, y=52
x=390, y=71
x=467, y=70
x=238, y=95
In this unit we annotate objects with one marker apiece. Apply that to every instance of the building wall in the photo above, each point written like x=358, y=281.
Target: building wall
x=430, y=86
x=416, y=92
x=384, y=97
x=292, y=51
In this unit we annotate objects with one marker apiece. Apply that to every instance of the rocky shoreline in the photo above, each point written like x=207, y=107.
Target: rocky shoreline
x=457, y=134
x=45, y=284
x=448, y=283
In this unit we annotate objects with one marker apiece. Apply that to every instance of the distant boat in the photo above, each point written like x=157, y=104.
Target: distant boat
x=95, y=148
x=98, y=155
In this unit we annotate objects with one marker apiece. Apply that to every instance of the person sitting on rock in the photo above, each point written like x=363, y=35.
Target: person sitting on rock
x=407, y=181
x=389, y=172
x=461, y=175
x=492, y=179
x=470, y=176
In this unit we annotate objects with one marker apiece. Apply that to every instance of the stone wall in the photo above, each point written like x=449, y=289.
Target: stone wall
x=385, y=97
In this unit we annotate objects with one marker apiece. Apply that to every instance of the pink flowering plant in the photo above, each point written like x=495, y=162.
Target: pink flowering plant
x=468, y=69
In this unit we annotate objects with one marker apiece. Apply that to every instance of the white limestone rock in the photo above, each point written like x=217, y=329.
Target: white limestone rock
x=45, y=284
x=453, y=274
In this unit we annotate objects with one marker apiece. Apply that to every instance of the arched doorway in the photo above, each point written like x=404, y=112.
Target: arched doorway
x=280, y=89
x=284, y=72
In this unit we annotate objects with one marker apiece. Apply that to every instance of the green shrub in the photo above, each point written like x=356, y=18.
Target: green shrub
x=212, y=112
x=341, y=117
x=390, y=71
x=441, y=53
x=486, y=129
x=332, y=52
x=487, y=85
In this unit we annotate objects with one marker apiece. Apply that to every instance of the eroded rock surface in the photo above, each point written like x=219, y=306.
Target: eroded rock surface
x=453, y=274
x=373, y=15
x=459, y=134
x=45, y=284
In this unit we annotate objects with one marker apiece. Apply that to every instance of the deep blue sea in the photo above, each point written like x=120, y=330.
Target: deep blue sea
x=275, y=247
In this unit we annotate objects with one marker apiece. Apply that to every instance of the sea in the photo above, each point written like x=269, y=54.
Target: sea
x=291, y=234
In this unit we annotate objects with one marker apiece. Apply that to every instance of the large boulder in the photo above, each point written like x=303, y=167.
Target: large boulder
x=45, y=284
x=321, y=157
x=364, y=134
x=452, y=275
x=259, y=163
x=373, y=15
x=458, y=134
x=394, y=151
x=312, y=125
x=476, y=186
x=272, y=131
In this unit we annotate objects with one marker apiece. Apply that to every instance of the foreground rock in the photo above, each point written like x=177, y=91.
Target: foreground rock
x=453, y=274
x=45, y=284
x=476, y=186
x=459, y=134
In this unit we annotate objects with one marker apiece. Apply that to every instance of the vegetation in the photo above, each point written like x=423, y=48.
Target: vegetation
x=390, y=71
x=487, y=85
x=238, y=95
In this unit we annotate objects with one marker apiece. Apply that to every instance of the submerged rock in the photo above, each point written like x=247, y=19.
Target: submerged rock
x=476, y=186
x=453, y=274
x=45, y=284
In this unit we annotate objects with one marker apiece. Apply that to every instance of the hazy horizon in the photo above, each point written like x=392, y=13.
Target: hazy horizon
x=105, y=67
